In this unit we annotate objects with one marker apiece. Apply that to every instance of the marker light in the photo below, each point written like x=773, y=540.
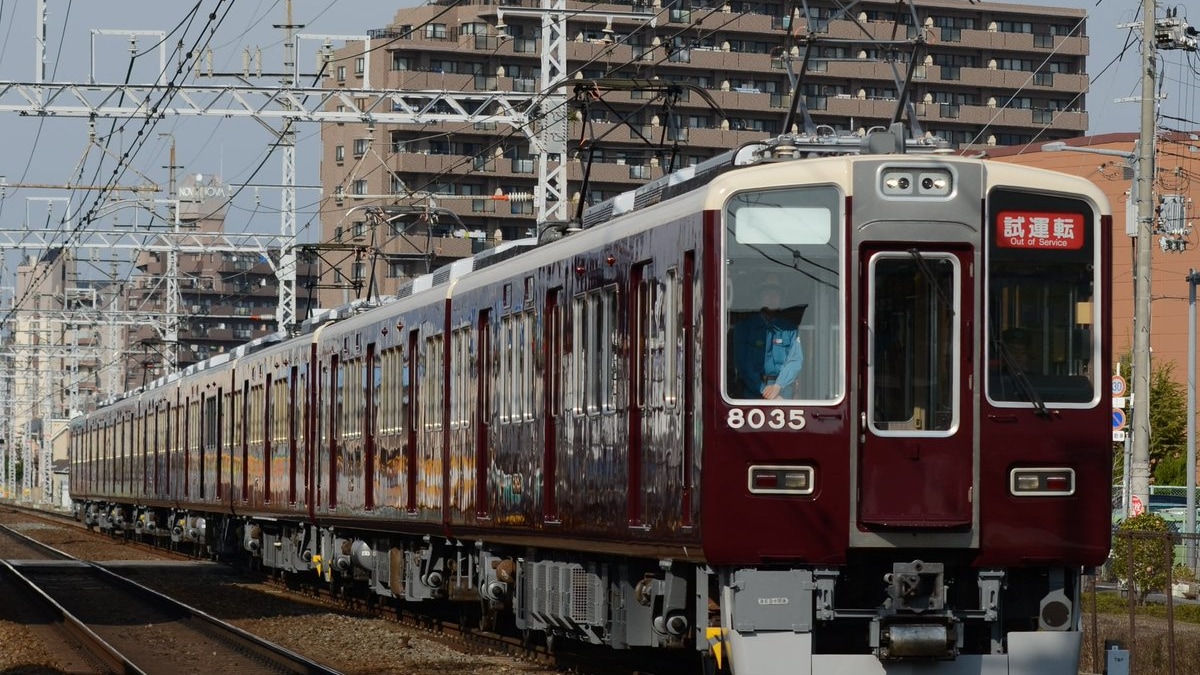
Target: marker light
x=780, y=480
x=1042, y=482
x=901, y=182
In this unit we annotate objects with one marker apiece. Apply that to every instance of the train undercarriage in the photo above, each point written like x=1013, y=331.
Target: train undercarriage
x=872, y=616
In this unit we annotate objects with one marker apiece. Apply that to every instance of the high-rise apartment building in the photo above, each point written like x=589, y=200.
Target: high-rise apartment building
x=225, y=299
x=656, y=85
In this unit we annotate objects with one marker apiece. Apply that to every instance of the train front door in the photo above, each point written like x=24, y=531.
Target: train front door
x=916, y=459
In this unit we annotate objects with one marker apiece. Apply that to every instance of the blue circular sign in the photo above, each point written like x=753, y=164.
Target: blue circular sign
x=1118, y=419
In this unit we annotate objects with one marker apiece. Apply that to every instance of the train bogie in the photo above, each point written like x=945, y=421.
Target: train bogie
x=822, y=415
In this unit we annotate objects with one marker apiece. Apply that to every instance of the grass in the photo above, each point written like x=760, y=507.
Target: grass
x=1150, y=650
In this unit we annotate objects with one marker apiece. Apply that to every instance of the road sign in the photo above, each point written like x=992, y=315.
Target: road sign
x=1118, y=420
x=1118, y=385
x=1118, y=437
x=1136, y=507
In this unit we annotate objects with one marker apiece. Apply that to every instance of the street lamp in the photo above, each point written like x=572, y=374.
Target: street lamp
x=1138, y=452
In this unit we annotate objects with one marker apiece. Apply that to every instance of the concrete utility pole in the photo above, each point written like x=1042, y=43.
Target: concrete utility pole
x=1139, y=463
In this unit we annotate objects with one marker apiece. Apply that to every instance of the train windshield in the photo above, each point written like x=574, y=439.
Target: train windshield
x=782, y=308
x=1042, y=316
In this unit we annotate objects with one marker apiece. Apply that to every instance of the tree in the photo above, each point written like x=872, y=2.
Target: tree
x=1148, y=535
x=1168, y=425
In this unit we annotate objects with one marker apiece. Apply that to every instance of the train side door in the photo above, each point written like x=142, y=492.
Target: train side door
x=916, y=458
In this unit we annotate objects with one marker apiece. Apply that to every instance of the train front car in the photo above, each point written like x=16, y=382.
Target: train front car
x=907, y=459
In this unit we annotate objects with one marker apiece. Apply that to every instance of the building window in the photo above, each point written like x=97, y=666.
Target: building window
x=398, y=143
x=435, y=31
x=359, y=187
x=360, y=146
x=360, y=65
x=339, y=153
x=400, y=62
x=341, y=73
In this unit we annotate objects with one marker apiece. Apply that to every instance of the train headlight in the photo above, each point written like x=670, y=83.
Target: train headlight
x=1041, y=482
x=900, y=182
x=780, y=480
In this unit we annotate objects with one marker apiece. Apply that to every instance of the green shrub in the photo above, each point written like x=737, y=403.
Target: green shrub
x=1148, y=535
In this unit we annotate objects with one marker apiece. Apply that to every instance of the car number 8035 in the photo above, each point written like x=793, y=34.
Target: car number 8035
x=766, y=418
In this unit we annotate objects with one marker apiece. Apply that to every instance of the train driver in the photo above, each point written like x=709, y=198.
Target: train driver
x=767, y=349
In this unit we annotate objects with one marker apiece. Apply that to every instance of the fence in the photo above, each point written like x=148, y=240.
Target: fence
x=1159, y=591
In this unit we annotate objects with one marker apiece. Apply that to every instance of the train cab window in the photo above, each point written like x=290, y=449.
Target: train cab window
x=783, y=308
x=1041, y=266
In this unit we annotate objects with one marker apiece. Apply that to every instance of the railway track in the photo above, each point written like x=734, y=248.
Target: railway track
x=113, y=625
x=460, y=629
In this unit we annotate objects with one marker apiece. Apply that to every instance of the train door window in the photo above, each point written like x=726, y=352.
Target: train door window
x=295, y=429
x=506, y=367
x=246, y=411
x=524, y=392
x=913, y=333
x=393, y=390
x=553, y=364
x=433, y=383
x=783, y=305
x=672, y=348
x=576, y=375
x=1041, y=274
x=209, y=428
x=270, y=418
x=658, y=322
x=597, y=351
x=460, y=358
x=335, y=401
x=373, y=402
x=385, y=393
x=353, y=402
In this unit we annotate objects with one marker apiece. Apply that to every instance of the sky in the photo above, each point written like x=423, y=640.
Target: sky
x=58, y=151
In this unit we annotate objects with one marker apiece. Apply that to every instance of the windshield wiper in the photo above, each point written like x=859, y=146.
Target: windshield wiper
x=932, y=279
x=1017, y=373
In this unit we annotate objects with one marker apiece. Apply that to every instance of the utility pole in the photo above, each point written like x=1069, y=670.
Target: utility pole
x=1139, y=463
x=1170, y=32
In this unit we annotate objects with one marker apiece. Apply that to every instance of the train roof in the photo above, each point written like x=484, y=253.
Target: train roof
x=826, y=142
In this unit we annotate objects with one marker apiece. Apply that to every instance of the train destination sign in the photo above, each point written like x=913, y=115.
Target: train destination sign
x=1039, y=230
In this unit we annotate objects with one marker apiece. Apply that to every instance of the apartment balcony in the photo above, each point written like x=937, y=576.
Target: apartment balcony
x=457, y=165
x=993, y=117
x=984, y=40
x=1012, y=80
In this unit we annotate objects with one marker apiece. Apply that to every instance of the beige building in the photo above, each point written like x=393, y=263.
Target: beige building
x=55, y=358
x=987, y=74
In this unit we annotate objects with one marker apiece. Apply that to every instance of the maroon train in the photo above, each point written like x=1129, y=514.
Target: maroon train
x=560, y=436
